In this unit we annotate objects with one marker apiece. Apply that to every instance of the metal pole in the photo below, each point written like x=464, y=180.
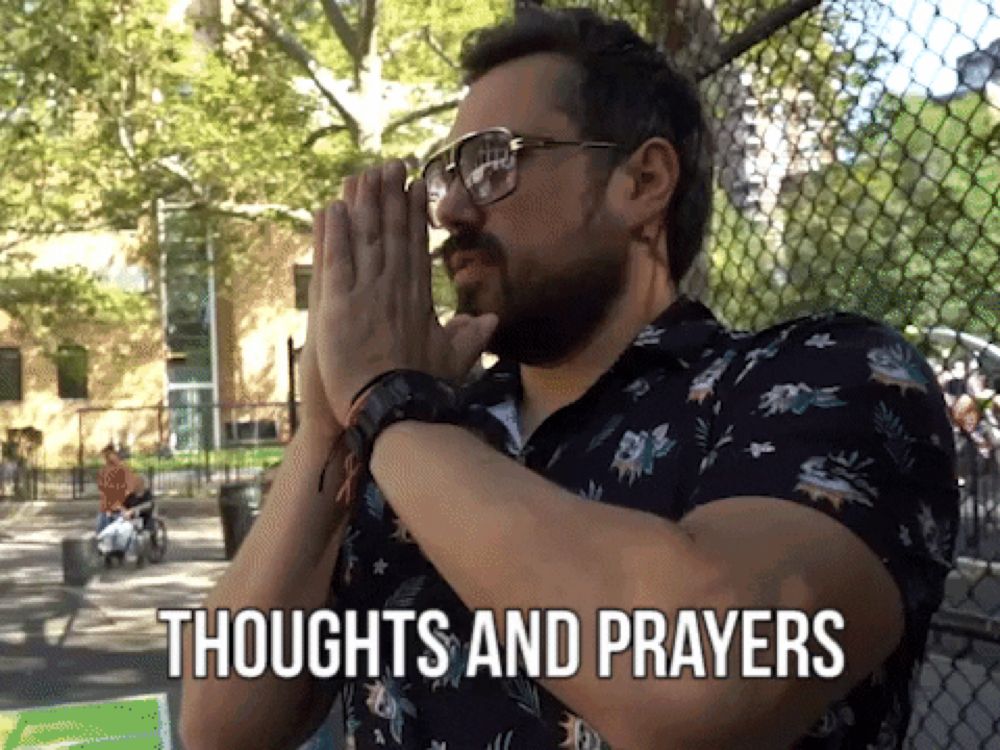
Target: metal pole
x=213, y=338
x=974, y=482
x=759, y=30
x=159, y=429
x=293, y=417
x=78, y=485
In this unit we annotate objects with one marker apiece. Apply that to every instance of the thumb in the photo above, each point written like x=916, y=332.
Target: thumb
x=469, y=337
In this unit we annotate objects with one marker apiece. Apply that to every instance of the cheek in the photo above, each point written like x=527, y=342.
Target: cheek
x=546, y=211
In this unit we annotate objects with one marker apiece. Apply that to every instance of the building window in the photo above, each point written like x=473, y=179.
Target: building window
x=303, y=274
x=10, y=374
x=71, y=368
x=189, y=290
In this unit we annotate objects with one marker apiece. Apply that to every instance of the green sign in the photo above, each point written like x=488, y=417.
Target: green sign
x=138, y=723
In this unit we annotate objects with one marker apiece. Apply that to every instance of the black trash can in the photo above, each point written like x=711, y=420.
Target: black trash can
x=239, y=503
x=79, y=559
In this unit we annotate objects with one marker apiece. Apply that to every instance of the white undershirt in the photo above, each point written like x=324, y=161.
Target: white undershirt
x=507, y=413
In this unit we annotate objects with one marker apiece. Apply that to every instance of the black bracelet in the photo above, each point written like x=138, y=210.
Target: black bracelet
x=400, y=395
x=326, y=464
x=374, y=381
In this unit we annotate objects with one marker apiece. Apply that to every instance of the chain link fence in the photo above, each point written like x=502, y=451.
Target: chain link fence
x=857, y=147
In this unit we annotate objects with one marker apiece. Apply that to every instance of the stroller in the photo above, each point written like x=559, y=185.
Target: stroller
x=144, y=533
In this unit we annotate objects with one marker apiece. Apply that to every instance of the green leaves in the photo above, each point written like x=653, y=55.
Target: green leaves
x=107, y=106
x=55, y=305
x=909, y=228
x=116, y=107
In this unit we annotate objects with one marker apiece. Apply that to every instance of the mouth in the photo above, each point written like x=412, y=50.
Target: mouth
x=461, y=260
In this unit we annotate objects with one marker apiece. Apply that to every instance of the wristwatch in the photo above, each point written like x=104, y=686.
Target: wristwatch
x=400, y=395
x=412, y=395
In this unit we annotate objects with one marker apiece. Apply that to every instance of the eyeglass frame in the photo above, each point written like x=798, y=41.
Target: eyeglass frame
x=518, y=142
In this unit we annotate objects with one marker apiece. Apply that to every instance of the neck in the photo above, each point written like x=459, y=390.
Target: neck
x=549, y=388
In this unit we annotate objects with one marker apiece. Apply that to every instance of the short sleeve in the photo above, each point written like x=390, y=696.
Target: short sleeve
x=841, y=414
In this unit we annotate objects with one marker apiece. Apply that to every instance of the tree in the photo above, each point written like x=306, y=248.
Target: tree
x=107, y=108
x=908, y=229
x=256, y=116
x=55, y=305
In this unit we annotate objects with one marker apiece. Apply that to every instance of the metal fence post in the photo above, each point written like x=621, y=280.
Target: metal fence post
x=293, y=417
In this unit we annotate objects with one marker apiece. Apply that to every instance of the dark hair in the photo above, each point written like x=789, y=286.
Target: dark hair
x=625, y=91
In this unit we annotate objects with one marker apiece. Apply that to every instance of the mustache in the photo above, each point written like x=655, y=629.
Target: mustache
x=483, y=242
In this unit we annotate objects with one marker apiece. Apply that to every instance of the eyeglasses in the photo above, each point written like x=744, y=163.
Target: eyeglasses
x=486, y=162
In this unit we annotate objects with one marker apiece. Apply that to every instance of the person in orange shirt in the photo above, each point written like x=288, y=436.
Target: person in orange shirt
x=115, y=481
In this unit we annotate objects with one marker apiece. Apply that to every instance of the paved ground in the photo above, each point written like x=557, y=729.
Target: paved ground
x=63, y=644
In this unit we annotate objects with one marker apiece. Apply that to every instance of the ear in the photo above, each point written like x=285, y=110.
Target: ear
x=642, y=187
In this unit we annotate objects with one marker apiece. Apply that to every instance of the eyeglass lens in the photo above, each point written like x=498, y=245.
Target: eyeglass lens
x=487, y=166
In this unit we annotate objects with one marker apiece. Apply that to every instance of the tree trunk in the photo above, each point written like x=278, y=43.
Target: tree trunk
x=687, y=31
x=373, y=106
x=373, y=111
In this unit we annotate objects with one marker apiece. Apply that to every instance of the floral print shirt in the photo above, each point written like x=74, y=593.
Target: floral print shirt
x=833, y=411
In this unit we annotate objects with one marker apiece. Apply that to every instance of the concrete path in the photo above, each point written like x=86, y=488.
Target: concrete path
x=62, y=644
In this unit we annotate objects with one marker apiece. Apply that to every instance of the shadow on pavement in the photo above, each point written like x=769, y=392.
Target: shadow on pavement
x=62, y=644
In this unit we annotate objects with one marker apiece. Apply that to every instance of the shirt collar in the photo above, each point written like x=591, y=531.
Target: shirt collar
x=676, y=337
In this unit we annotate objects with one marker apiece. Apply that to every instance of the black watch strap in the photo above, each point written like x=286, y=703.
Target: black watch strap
x=400, y=395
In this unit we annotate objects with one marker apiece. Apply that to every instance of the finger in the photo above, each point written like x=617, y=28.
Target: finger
x=339, y=274
x=315, y=278
x=456, y=322
x=420, y=258
x=366, y=228
x=395, y=237
x=351, y=191
x=351, y=195
x=469, y=338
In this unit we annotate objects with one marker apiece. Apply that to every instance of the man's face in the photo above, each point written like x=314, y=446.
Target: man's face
x=549, y=259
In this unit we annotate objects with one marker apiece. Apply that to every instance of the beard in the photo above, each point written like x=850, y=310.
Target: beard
x=547, y=313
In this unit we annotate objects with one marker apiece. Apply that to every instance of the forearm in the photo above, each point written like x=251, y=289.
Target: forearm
x=288, y=557
x=285, y=563
x=506, y=538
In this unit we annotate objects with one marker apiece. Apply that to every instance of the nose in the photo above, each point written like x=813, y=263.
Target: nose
x=456, y=211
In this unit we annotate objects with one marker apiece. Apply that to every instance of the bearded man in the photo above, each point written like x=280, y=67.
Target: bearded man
x=626, y=452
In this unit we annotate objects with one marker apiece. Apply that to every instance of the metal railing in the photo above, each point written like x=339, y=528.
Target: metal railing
x=178, y=450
